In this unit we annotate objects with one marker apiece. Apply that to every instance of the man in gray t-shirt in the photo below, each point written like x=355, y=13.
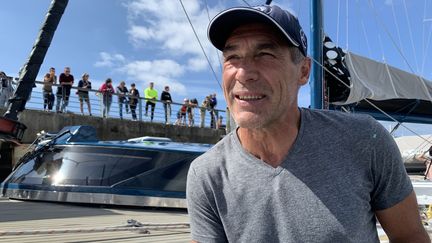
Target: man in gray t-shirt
x=288, y=174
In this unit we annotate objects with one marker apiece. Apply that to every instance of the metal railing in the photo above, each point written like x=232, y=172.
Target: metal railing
x=36, y=102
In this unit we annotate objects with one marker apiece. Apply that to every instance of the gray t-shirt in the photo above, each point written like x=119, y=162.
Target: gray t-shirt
x=340, y=170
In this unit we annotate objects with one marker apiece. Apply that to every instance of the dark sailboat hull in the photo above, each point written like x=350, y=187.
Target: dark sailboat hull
x=148, y=173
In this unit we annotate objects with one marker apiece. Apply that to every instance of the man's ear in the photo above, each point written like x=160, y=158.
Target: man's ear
x=305, y=71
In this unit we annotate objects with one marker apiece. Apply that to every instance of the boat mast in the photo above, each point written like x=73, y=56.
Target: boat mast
x=316, y=33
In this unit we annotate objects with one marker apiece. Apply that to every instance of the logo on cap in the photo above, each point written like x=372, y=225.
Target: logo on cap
x=303, y=40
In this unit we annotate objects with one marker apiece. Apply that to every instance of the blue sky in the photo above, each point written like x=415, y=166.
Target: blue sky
x=151, y=40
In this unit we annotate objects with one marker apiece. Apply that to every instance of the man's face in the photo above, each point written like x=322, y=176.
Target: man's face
x=67, y=71
x=52, y=70
x=260, y=80
x=151, y=85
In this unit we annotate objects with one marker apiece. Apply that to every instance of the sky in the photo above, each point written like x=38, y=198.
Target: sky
x=151, y=40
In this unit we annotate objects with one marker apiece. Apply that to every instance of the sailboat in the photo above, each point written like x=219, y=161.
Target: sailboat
x=350, y=82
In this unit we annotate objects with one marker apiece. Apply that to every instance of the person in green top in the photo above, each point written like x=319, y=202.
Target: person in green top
x=150, y=95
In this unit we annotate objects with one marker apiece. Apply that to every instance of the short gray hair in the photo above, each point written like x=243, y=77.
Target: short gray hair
x=296, y=55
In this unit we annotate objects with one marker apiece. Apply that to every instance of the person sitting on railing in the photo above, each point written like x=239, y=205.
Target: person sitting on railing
x=66, y=80
x=122, y=91
x=6, y=89
x=107, y=90
x=84, y=85
x=133, y=100
x=48, y=96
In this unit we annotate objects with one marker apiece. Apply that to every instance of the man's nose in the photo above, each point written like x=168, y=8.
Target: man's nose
x=247, y=71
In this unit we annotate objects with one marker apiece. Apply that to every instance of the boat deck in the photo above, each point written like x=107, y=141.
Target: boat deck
x=20, y=216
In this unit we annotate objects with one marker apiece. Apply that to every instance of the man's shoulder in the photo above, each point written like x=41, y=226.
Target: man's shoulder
x=349, y=127
x=338, y=117
x=213, y=160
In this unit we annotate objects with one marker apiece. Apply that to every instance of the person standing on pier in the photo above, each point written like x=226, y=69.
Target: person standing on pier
x=122, y=91
x=84, y=85
x=291, y=174
x=150, y=94
x=204, y=106
x=213, y=112
x=66, y=81
x=49, y=80
x=133, y=101
x=106, y=90
x=166, y=99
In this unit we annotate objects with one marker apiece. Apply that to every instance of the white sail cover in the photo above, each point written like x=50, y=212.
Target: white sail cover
x=379, y=81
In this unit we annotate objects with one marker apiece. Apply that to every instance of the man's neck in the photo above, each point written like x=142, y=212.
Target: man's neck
x=271, y=145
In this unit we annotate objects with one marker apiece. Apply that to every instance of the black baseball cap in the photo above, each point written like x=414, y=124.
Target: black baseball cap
x=226, y=21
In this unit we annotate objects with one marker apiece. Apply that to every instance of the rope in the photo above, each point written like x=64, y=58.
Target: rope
x=363, y=28
x=423, y=33
x=382, y=53
x=411, y=35
x=397, y=25
x=347, y=25
x=217, y=52
x=337, y=24
x=390, y=36
x=132, y=225
x=246, y=3
x=367, y=40
x=426, y=51
x=397, y=47
x=199, y=42
x=427, y=48
x=371, y=104
x=421, y=146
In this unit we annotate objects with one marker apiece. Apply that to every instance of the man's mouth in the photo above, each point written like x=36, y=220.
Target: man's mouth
x=249, y=97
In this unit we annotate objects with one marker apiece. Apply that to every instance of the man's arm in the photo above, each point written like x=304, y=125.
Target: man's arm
x=402, y=222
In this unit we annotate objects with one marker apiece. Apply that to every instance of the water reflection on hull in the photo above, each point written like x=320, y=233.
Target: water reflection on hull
x=133, y=173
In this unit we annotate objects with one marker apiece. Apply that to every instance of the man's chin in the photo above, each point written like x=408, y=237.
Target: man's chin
x=250, y=122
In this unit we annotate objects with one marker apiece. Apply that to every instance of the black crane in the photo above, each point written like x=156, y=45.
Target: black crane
x=11, y=130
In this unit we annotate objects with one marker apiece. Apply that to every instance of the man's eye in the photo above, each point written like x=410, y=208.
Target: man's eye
x=261, y=54
x=232, y=57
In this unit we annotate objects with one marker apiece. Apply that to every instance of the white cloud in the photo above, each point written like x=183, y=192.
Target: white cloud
x=197, y=64
x=161, y=72
x=109, y=60
x=163, y=23
x=161, y=29
x=139, y=34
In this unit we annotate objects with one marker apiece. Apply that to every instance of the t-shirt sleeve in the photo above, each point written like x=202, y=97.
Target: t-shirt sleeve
x=391, y=181
x=206, y=225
